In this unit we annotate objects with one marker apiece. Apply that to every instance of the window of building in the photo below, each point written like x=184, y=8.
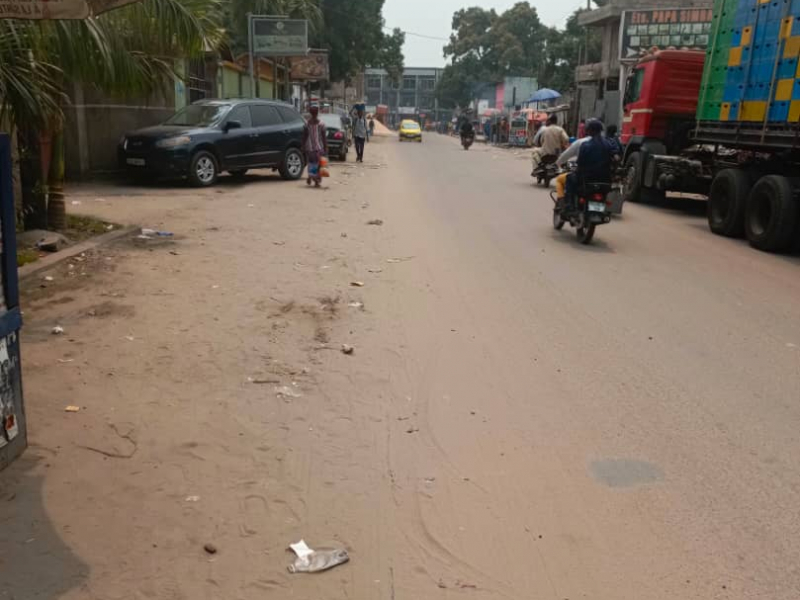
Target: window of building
x=408, y=100
x=374, y=97
x=427, y=83
x=426, y=102
x=374, y=82
x=409, y=83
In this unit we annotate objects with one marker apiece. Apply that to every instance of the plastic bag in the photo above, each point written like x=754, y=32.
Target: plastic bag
x=316, y=561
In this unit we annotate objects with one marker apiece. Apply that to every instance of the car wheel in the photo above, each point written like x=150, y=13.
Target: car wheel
x=204, y=170
x=238, y=173
x=293, y=164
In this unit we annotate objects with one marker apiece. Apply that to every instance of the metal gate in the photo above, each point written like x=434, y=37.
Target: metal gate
x=13, y=434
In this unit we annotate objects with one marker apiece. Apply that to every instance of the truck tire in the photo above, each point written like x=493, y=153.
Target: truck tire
x=633, y=188
x=771, y=214
x=727, y=201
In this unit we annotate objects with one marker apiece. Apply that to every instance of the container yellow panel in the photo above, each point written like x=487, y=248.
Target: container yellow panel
x=786, y=28
x=735, y=57
x=794, y=111
x=784, y=89
x=725, y=112
x=792, y=47
x=753, y=111
x=747, y=36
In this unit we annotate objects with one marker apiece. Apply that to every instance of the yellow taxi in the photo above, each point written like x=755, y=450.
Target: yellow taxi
x=410, y=130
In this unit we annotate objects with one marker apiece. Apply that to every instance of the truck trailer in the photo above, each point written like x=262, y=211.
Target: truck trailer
x=724, y=123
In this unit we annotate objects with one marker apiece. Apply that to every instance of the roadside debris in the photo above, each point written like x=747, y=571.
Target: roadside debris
x=72, y=409
x=255, y=381
x=347, y=349
x=411, y=430
x=358, y=305
x=394, y=261
x=57, y=330
x=193, y=499
x=49, y=279
x=156, y=233
x=316, y=561
x=76, y=203
x=357, y=284
x=375, y=271
x=287, y=392
x=377, y=222
x=210, y=548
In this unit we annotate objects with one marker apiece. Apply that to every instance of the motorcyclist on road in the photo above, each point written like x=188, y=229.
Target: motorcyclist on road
x=595, y=161
x=467, y=129
x=552, y=141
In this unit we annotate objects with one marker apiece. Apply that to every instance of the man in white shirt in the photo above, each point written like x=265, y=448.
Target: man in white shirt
x=553, y=140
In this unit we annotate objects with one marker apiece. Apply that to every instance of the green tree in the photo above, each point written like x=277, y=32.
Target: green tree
x=391, y=55
x=562, y=50
x=129, y=51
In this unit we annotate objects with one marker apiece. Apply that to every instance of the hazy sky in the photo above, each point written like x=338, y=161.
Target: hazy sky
x=434, y=18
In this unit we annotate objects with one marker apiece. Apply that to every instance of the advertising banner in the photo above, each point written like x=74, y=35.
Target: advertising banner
x=279, y=37
x=643, y=30
x=312, y=67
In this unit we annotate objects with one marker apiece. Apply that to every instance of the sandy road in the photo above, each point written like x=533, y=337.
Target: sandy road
x=523, y=417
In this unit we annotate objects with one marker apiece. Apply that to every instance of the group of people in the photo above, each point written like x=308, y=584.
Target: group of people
x=315, y=141
x=595, y=152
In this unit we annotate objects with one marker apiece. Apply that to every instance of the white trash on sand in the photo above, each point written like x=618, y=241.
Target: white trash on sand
x=316, y=561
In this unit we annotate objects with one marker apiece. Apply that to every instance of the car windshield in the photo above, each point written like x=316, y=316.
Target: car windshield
x=411, y=126
x=199, y=115
x=331, y=121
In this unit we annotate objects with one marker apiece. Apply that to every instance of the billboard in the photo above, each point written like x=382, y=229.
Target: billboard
x=279, y=37
x=56, y=9
x=312, y=67
x=642, y=30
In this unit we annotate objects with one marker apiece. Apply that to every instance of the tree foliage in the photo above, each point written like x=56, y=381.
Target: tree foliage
x=487, y=46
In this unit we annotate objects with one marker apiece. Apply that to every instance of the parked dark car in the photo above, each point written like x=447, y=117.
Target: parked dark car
x=338, y=134
x=212, y=136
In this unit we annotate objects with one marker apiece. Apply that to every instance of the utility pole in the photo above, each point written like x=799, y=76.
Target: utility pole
x=250, y=50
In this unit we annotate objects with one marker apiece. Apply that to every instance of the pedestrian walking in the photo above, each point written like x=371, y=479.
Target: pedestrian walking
x=360, y=133
x=315, y=146
x=371, y=126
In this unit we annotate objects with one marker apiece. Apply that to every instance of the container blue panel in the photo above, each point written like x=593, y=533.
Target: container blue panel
x=733, y=114
x=779, y=111
x=756, y=91
x=732, y=93
x=787, y=68
x=796, y=90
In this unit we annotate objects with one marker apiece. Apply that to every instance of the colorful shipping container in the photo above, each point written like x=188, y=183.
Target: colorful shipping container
x=751, y=72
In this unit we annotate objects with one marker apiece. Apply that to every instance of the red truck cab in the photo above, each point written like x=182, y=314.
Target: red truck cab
x=661, y=97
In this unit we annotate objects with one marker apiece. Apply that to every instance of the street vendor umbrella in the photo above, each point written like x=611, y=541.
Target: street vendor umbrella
x=544, y=94
x=61, y=9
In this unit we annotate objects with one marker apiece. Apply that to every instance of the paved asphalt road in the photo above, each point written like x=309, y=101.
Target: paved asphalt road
x=523, y=417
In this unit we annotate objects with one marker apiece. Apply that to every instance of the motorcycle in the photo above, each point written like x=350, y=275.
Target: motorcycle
x=546, y=171
x=593, y=206
x=467, y=140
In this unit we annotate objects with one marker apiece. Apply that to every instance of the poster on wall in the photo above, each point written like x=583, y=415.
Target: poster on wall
x=57, y=9
x=643, y=30
x=312, y=67
x=8, y=392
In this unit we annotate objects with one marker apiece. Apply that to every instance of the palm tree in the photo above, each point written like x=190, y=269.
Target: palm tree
x=129, y=51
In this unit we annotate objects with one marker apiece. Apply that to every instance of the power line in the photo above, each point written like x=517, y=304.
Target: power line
x=419, y=35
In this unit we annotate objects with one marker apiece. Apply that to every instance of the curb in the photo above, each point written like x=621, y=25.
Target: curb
x=48, y=262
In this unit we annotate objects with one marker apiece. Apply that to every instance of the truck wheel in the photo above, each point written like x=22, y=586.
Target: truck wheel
x=632, y=185
x=771, y=214
x=633, y=189
x=727, y=200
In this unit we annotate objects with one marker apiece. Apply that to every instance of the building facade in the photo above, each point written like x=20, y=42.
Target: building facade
x=414, y=96
x=601, y=85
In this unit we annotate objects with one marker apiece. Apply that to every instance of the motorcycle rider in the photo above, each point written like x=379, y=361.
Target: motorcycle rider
x=596, y=158
x=552, y=141
x=467, y=129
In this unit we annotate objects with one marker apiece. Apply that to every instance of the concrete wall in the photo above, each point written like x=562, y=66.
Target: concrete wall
x=95, y=124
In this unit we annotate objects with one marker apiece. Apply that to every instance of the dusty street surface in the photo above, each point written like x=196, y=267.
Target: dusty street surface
x=522, y=417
